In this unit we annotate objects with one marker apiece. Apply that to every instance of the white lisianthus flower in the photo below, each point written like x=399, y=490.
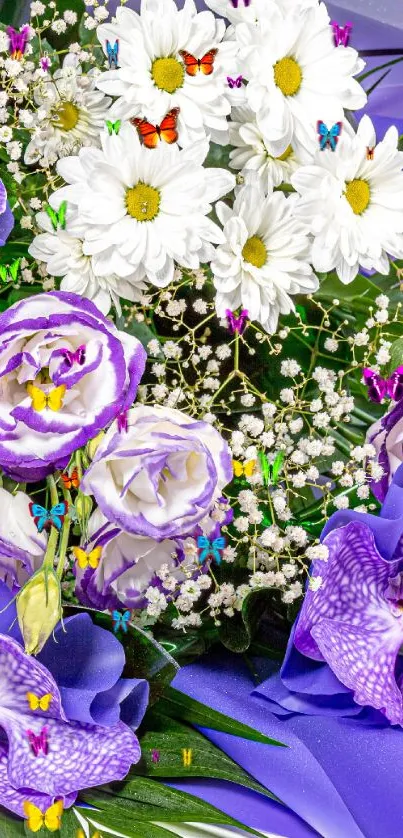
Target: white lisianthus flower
x=140, y=209
x=151, y=78
x=72, y=113
x=354, y=206
x=265, y=257
x=63, y=252
x=296, y=74
x=259, y=159
x=22, y=547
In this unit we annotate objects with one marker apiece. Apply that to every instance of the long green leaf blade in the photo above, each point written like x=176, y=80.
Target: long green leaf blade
x=181, y=706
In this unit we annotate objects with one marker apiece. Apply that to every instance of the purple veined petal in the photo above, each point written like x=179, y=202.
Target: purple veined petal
x=20, y=674
x=3, y=197
x=365, y=662
x=6, y=224
x=13, y=799
x=349, y=622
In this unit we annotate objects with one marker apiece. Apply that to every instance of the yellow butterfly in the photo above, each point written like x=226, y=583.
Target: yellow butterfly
x=244, y=468
x=36, y=819
x=36, y=703
x=40, y=400
x=84, y=559
x=81, y=834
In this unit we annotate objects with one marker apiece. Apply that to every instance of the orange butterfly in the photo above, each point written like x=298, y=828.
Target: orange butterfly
x=194, y=65
x=370, y=153
x=71, y=481
x=152, y=134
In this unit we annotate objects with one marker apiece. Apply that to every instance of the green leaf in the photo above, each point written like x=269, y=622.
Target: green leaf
x=169, y=738
x=360, y=290
x=396, y=354
x=237, y=633
x=218, y=156
x=13, y=12
x=10, y=825
x=142, y=800
x=145, y=658
x=140, y=331
x=177, y=705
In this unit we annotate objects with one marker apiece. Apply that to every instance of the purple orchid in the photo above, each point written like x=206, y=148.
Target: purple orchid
x=87, y=729
x=6, y=216
x=343, y=653
x=386, y=435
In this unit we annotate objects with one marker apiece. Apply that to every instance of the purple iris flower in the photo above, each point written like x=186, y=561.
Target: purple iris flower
x=6, y=216
x=89, y=722
x=343, y=653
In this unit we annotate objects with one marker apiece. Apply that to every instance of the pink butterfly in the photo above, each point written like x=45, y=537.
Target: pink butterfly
x=40, y=742
x=155, y=755
x=235, y=3
x=379, y=387
x=122, y=422
x=77, y=357
x=341, y=33
x=237, y=324
x=234, y=82
x=18, y=41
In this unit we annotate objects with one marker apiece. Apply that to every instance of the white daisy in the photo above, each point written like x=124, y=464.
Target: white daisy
x=151, y=78
x=139, y=210
x=353, y=205
x=256, y=10
x=72, y=113
x=255, y=155
x=296, y=74
x=264, y=259
x=62, y=251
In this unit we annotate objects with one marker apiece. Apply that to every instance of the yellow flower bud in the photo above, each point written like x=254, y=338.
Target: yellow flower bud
x=93, y=444
x=39, y=609
x=83, y=507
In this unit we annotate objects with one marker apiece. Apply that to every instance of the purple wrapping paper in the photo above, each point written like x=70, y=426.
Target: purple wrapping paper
x=339, y=777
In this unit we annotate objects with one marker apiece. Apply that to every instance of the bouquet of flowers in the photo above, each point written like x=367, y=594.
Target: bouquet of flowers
x=201, y=397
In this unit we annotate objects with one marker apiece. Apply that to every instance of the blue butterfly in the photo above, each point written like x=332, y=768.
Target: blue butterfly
x=121, y=621
x=44, y=518
x=329, y=136
x=112, y=53
x=210, y=548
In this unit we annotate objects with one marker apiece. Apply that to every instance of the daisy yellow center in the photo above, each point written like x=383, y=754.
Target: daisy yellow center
x=167, y=74
x=67, y=116
x=143, y=202
x=254, y=251
x=358, y=195
x=288, y=76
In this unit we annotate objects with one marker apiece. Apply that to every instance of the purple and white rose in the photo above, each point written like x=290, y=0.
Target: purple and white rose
x=162, y=476
x=128, y=566
x=60, y=340
x=6, y=216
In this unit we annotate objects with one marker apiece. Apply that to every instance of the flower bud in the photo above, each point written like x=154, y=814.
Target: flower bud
x=39, y=609
x=92, y=445
x=83, y=507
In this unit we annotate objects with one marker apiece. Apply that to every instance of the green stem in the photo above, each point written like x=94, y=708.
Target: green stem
x=54, y=497
x=64, y=541
x=49, y=559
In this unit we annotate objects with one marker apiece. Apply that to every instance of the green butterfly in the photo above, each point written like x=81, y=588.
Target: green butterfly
x=9, y=273
x=58, y=217
x=113, y=127
x=271, y=473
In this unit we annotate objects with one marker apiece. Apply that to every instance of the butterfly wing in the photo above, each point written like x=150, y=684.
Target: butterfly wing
x=44, y=702
x=81, y=557
x=168, y=131
x=334, y=134
x=203, y=542
x=249, y=467
x=34, y=816
x=323, y=132
x=57, y=514
x=125, y=620
x=238, y=468
x=38, y=397
x=53, y=816
x=207, y=62
x=3, y=273
x=53, y=216
x=54, y=399
x=147, y=132
x=117, y=619
x=61, y=216
x=219, y=543
x=13, y=269
x=395, y=385
x=231, y=82
x=39, y=514
x=109, y=126
x=191, y=63
x=94, y=557
x=75, y=480
x=277, y=465
x=67, y=481
x=377, y=387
